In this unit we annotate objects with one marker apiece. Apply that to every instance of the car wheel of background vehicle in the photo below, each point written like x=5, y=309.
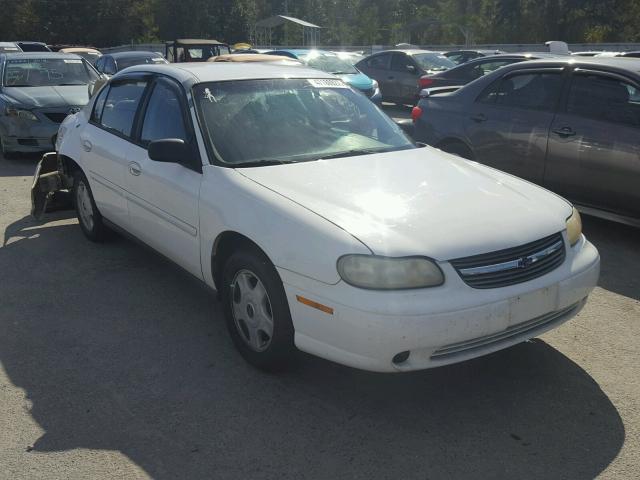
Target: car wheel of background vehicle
x=88, y=215
x=257, y=311
x=457, y=148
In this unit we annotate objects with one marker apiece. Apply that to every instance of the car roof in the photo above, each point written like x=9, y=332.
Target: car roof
x=23, y=55
x=198, y=41
x=198, y=72
x=79, y=49
x=134, y=54
x=8, y=44
x=619, y=63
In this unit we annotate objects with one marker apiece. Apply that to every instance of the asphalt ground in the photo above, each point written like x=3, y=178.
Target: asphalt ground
x=114, y=363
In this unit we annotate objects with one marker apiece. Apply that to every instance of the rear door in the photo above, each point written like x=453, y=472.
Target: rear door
x=106, y=141
x=508, y=125
x=403, y=78
x=163, y=197
x=594, y=144
x=377, y=67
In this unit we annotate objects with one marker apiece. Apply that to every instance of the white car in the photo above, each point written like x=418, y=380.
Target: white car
x=320, y=224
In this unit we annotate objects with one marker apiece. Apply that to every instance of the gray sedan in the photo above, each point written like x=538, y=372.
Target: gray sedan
x=37, y=91
x=571, y=125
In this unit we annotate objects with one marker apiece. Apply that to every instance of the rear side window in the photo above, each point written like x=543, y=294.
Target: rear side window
x=163, y=118
x=121, y=106
x=531, y=91
x=604, y=98
x=381, y=62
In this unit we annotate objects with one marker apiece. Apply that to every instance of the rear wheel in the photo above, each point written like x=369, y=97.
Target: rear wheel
x=88, y=215
x=257, y=311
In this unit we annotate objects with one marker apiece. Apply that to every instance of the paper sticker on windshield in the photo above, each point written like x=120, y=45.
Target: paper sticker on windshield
x=72, y=60
x=327, y=83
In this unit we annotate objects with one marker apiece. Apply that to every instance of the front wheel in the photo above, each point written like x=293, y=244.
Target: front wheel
x=88, y=215
x=257, y=311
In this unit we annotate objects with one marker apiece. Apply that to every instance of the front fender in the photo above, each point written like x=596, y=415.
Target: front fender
x=293, y=237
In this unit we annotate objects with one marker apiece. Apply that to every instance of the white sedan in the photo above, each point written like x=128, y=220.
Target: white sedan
x=319, y=223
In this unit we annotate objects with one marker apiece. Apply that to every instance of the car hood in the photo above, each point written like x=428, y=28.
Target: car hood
x=47, y=97
x=420, y=202
x=357, y=80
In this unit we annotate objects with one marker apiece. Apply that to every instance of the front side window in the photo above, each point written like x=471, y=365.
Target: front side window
x=604, y=98
x=532, y=91
x=121, y=105
x=400, y=62
x=98, y=106
x=258, y=122
x=163, y=118
x=47, y=72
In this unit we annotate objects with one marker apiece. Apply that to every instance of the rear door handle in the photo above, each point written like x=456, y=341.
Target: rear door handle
x=481, y=117
x=135, y=169
x=564, y=132
x=391, y=78
x=87, y=145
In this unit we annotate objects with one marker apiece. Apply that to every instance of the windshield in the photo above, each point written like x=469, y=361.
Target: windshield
x=329, y=63
x=47, y=72
x=433, y=61
x=254, y=122
x=131, y=61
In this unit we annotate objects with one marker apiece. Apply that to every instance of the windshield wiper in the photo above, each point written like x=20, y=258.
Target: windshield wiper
x=353, y=153
x=68, y=84
x=262, y=163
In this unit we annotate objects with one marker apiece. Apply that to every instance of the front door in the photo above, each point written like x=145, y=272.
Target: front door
x=509, y=123
x=163, y=197
x=594, y=145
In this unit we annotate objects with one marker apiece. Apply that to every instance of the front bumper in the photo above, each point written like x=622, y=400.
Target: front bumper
x=28, y=136
x=438, y=326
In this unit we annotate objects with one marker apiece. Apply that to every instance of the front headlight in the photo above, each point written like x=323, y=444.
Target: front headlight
x=23, y=114
x=374, y=84
x=386, y=273
x=574, y=227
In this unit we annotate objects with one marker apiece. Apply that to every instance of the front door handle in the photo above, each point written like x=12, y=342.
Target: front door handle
x=481, y=117
x=564, y=132
x=87, y=145
x=135, y=169
x=391, y=78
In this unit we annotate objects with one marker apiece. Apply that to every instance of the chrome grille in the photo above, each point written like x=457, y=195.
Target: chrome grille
x=512, y=265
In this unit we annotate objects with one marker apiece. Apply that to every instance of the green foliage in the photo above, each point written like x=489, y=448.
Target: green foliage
x=355, y=22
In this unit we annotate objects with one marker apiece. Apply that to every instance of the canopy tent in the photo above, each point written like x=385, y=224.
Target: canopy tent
x=263, y=30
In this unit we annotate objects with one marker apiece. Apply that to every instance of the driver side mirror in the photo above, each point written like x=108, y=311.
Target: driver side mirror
x=172, y=150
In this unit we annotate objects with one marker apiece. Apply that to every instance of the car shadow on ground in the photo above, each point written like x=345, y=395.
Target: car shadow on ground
x=118, y=349
x=20, y=166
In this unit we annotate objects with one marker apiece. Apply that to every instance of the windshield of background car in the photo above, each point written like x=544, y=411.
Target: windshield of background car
x=90, y=57
x=433, y=61
x=45, y=72
x=292, y=120
x=329, y=63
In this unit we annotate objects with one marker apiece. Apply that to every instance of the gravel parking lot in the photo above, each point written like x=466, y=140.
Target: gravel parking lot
x=116, y=364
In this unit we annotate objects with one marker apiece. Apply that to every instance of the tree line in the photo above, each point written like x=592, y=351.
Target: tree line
x=105, y=23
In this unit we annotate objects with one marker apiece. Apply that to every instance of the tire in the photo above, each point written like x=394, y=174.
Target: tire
x=457, y=148
x=88, y=215
x=256, y=310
